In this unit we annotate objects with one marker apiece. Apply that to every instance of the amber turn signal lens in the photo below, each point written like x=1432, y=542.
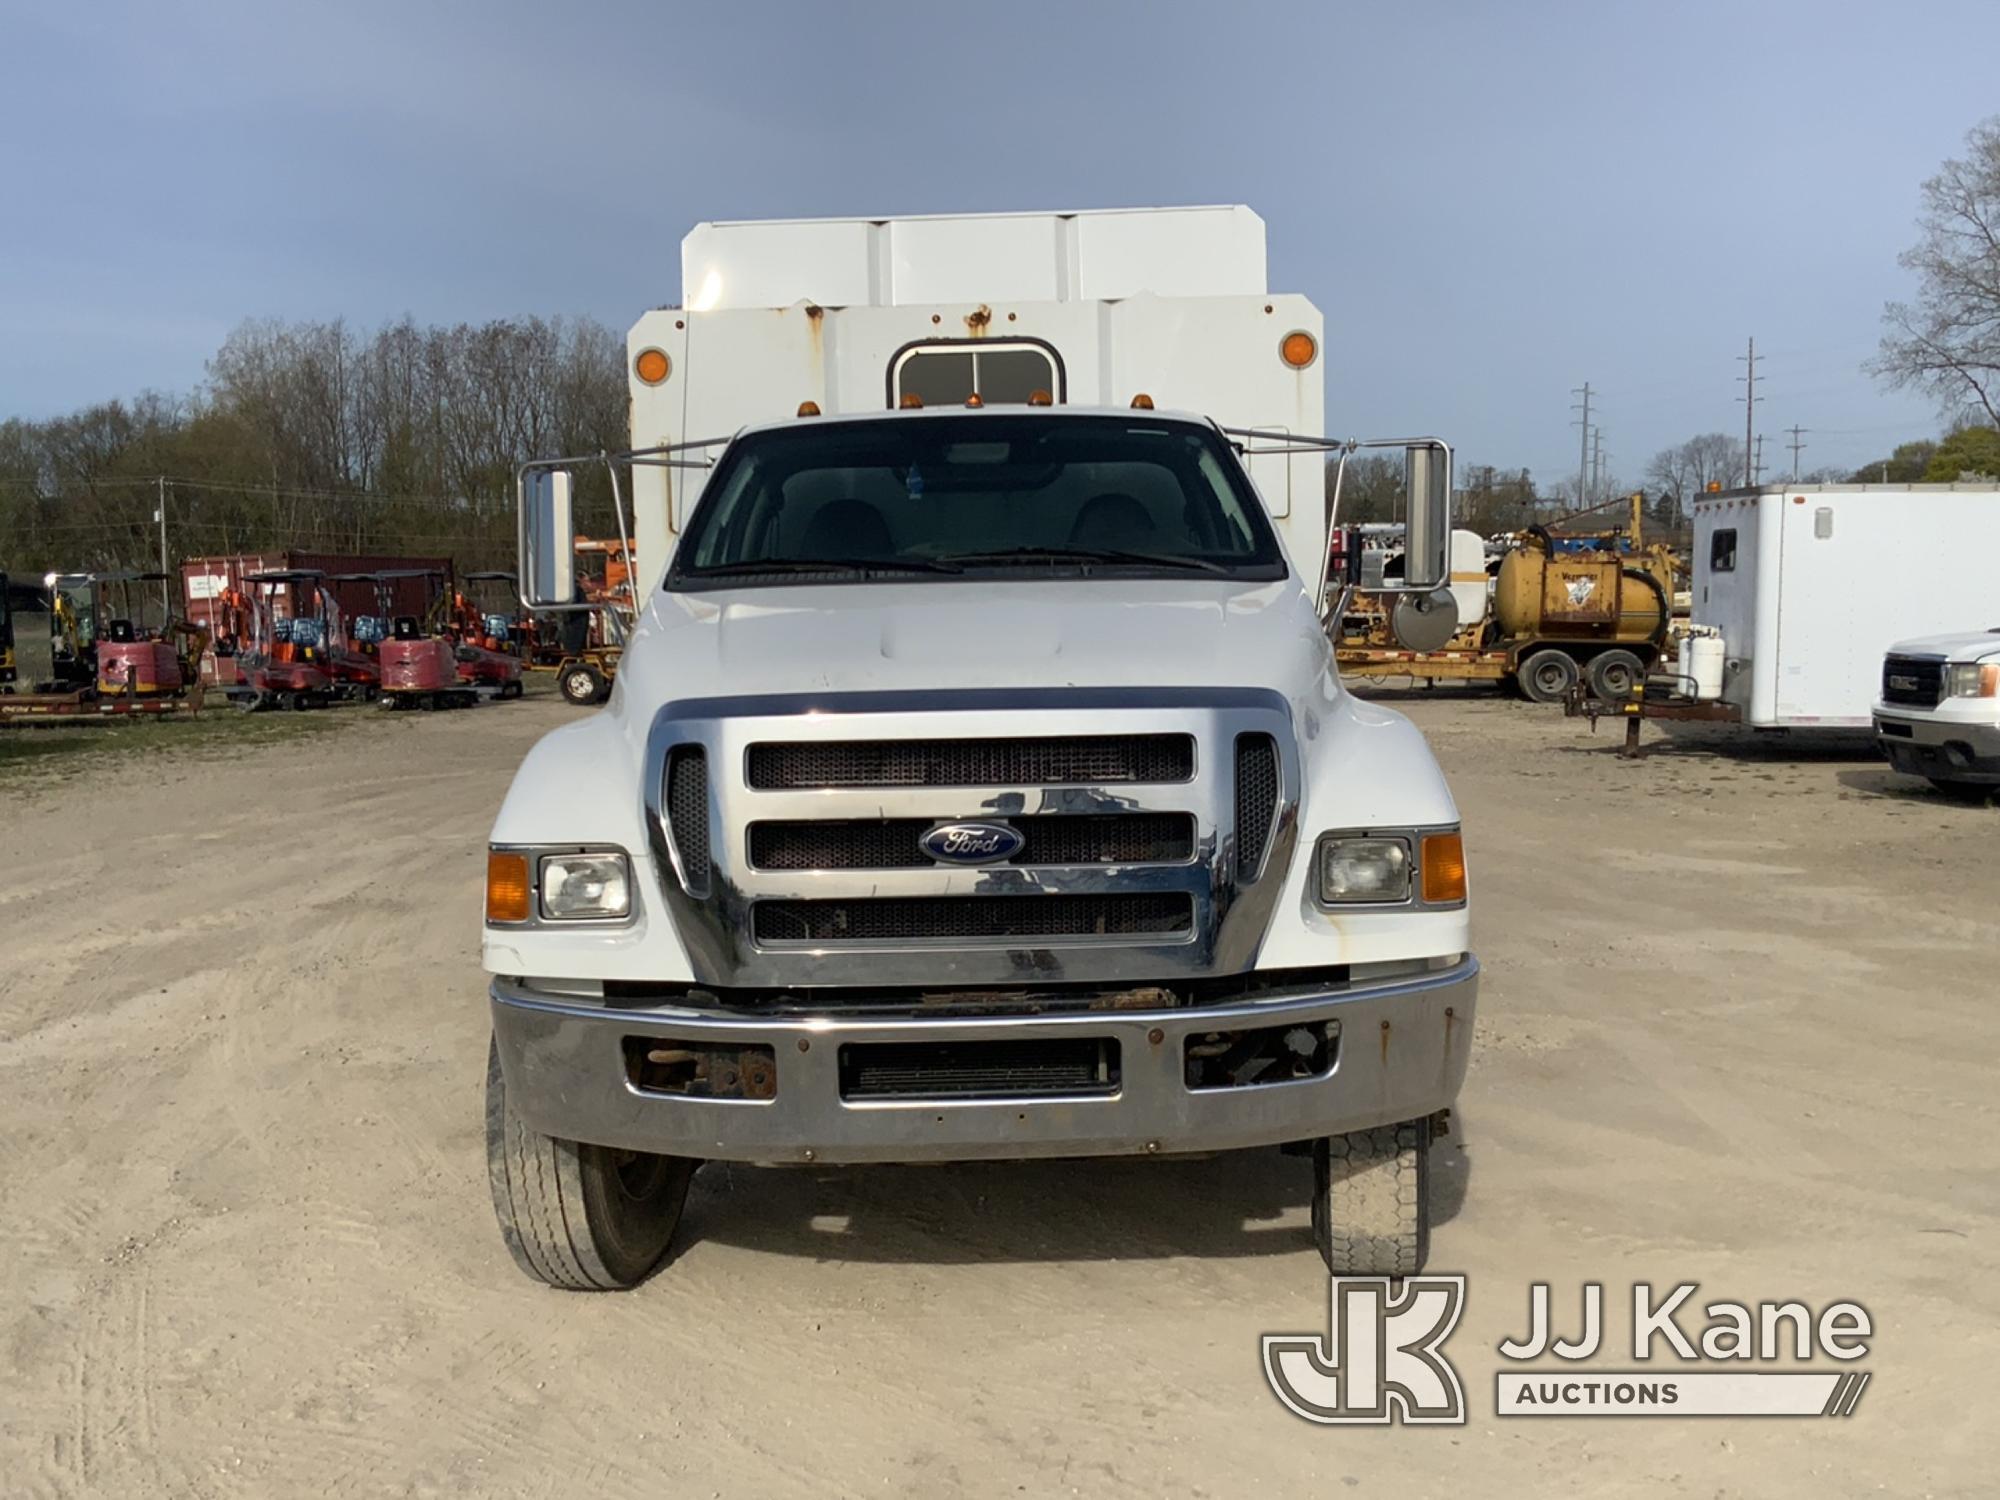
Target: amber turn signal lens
x=911, y=401
x=808, y=408
x=1142, y=402
x=1299, y=349
x=507, y=888
x=1040, y=398
x=1443, y=860
x=652, y=366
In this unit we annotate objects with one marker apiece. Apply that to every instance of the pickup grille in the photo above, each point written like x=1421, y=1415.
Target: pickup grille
x=1053, y=839
x=1907, y=679
x=973, y=918
x=1071, y=760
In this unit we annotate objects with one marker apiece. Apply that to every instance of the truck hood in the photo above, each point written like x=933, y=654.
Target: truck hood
x=1970, y=645
x=889, y=637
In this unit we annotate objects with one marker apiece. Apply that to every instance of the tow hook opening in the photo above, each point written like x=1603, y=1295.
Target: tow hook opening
x=700, y=1070
x=1260, y=1055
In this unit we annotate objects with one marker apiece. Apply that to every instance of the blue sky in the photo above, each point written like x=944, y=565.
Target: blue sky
x=1491, y=203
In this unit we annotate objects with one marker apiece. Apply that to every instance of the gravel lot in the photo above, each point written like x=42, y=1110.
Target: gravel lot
x=1738, y=1027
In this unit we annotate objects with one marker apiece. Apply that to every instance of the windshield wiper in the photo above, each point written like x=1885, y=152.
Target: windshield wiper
x=1089, y=555
x=824, y=565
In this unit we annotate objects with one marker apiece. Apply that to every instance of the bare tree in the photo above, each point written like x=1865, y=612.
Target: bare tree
x=1947, y=342
x=1682, y=472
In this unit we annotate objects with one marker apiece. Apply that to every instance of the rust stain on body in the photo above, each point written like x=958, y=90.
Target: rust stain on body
x=978, y=320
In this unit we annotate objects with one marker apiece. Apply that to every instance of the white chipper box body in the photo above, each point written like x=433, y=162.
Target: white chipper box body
x=1090, y=308
x=1809, y=585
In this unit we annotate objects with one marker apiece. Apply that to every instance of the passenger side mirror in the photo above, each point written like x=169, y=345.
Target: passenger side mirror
x=547, y=539
x=1427, y=483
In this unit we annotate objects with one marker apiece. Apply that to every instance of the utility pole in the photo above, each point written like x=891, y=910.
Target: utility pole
x=160, y=515
x=1596, y=465
x=1750, y=400
x=1583, y=461
x=1759, y=470
x=1795, y=445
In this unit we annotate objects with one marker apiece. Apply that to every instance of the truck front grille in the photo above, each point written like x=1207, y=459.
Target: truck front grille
x=979, y=1070
x=1052, y=839
x=1256, y=800
x=1909, y=679
x=1069, y=760
x=687, y=813
x=973, y=918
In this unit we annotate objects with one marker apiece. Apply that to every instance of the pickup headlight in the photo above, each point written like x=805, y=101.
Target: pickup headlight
x=1422, y=866
x=586, y=887
x=1973, y=679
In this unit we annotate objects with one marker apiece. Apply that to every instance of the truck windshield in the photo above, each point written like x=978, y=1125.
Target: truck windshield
x=992, y=495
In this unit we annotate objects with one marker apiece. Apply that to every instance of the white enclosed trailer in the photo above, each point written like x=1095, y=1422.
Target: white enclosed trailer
x=1808, y=586
x=858, y=315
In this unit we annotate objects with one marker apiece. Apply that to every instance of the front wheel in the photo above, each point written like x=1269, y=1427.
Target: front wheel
x=1964, y=791
x=581, y=684
x=1547, y=676
x=583, y=1218
x=1371, y=1209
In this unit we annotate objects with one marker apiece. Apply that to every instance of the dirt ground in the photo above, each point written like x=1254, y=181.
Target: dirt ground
x=1738, y=1027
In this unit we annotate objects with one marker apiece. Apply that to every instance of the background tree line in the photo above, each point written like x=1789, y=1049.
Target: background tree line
x=316, y=437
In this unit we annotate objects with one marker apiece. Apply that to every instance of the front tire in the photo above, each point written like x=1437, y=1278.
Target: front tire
x=581, y=684
x=583, y=1218
x=1371, y=1209
x=1964, y=791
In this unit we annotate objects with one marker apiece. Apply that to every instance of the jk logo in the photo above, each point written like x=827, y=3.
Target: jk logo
x=1381, y=1359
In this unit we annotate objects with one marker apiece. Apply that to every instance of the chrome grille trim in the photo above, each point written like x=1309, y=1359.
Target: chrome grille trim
x=1230, y=913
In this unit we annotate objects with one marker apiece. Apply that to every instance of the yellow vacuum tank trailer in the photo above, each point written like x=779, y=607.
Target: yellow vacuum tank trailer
x=1594, y=602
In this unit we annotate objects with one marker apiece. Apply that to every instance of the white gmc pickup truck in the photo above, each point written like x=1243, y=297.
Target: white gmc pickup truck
x=1939, y=715
x=977, y=781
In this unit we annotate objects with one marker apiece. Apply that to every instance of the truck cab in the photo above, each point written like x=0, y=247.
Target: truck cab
x=1939, y=713
x=976, y=783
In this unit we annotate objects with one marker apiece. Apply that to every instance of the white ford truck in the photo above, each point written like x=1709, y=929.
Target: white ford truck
x=1939, y=714
x=977, y=782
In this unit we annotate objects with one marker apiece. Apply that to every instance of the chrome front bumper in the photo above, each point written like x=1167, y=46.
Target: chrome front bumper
x=1401, y=1054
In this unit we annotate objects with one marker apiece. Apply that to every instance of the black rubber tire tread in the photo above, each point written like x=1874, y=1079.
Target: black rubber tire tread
x=1964, y=791
x=1524, y=674
x=556, y=1203
x=1371, y=1211
x=1601, y=664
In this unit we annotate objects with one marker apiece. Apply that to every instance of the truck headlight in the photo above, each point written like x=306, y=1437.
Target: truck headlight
x=1363, y=871
x=1390, y=869
x=580, y=887
x=1973, y=679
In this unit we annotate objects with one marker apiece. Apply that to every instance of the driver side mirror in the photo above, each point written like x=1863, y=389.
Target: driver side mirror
x=547, y=538
x=1427, y=483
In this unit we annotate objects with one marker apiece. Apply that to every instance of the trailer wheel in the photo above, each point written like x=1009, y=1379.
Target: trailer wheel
x=582, y=684
x=299, y=702
x=1371, y=1211
x=1547, y=675
x=584, y=1218
x=1613, y=675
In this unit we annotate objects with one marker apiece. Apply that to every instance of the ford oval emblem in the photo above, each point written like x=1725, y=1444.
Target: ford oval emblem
x=972, y=843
